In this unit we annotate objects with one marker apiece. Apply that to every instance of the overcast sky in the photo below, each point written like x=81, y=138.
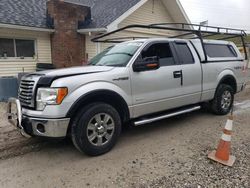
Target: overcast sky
x=227, y=13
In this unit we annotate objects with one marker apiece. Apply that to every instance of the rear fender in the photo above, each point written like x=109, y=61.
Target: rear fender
x=227, y=76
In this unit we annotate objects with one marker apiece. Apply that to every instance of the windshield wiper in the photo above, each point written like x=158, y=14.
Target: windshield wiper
x=120, y=53
x=116, y=65
x=111, y=65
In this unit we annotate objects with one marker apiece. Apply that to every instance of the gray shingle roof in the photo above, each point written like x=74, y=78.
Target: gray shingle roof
x=33, y=12
x=105, y=12
x=23, y=12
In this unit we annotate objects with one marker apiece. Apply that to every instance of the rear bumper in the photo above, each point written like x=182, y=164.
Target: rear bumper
x=54, y=128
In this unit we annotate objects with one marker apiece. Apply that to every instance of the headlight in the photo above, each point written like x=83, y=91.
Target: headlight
x=50, y=96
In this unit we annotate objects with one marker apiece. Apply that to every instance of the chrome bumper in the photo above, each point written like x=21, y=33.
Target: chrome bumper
x=53, y=128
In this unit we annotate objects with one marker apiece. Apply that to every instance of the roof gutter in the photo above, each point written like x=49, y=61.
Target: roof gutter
x=184, y=13
x=91, y=30
x=21, y=27
x=114, y=25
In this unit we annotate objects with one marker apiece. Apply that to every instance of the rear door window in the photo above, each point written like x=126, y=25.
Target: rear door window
x=220, y=50
x=184, y=53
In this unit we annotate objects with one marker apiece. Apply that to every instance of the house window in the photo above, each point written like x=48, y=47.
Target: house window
x=7, y=48
x=17, y=48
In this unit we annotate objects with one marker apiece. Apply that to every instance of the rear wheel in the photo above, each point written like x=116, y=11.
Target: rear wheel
x=223, y=100
x=96, y=129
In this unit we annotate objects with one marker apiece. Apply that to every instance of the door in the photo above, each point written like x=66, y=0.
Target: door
x=190, y=67
x=160, y=89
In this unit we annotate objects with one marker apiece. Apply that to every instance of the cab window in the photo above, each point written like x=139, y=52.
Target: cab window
x=220, y=50
x=162, y=51
x=184, y=54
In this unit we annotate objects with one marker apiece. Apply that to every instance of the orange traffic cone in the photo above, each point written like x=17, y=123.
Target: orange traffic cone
x=222, y=154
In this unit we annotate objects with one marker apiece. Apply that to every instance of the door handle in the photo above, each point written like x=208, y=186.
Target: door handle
x=178, y=74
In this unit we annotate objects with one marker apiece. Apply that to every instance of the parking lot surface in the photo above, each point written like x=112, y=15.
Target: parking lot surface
x=169, y=153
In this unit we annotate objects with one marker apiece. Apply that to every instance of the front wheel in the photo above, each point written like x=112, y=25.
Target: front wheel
x=223, y=100
x=96, y=129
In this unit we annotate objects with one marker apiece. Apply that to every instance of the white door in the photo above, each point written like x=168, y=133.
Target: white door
x=191, y=72
x=157, y=90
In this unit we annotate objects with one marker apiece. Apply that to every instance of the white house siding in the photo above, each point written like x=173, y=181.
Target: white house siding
x=153, y=11
x=91, y=47
x=12, y=66
x=149, y=13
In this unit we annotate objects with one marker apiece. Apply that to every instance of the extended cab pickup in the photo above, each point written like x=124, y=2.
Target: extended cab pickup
x=137, y=82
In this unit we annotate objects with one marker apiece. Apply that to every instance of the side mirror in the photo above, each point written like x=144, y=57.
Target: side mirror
x=146, y=64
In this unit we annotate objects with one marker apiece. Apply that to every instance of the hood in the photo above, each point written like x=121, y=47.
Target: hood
x=75, y=70
x=45, y=78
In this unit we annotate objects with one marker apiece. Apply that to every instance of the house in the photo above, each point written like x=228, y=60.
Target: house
x=60, y=31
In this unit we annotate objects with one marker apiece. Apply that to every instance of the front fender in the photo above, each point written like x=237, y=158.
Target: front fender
x=61, y=111
x=94, y=86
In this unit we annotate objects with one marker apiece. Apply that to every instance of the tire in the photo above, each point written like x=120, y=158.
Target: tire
x=223, y=100
x=96, y=129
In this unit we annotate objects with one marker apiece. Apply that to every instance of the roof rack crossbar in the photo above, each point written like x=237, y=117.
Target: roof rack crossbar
x=201, y=32
x=158, y=26
x=204, y=36
x=182, y=35
x=127, y=38
x=228, y=37
x=218, y=29
x=140, y=26
x=120, y=39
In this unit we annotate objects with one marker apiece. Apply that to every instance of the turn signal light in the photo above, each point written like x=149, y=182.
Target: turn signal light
x=62, y=92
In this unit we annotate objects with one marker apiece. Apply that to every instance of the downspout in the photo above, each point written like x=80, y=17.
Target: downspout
x=98, y=47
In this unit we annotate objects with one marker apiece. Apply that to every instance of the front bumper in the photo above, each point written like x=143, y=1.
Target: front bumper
x=30, y=126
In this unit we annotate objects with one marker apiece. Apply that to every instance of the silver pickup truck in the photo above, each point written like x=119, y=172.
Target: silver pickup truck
x=138, y=82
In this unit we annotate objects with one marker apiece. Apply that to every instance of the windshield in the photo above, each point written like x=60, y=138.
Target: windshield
x=117, y=55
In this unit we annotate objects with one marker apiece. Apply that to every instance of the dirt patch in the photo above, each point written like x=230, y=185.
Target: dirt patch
x=12, y=143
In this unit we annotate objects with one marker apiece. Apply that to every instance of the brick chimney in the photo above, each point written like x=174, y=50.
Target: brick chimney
x=68, y=46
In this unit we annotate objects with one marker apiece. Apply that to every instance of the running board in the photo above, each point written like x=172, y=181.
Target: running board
x=150, y=120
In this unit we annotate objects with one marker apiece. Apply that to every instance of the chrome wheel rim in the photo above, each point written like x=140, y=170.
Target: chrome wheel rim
x=100, y=129
x=226, y=100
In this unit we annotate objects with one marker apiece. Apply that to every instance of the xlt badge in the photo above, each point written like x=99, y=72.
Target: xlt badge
x=120, y=79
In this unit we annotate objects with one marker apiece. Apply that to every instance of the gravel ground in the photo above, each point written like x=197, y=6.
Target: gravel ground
x=169, y=153
x=198, y=171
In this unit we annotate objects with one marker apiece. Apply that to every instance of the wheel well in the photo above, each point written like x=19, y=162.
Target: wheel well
x=105, y=96
x=229, y=80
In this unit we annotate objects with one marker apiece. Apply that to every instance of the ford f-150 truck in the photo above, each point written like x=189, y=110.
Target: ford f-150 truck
x=138, y=81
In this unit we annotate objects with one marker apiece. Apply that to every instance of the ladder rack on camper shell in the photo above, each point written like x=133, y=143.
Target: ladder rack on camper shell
x=189, y=31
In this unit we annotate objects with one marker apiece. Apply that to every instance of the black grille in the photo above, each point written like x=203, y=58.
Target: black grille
x=26, y=92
